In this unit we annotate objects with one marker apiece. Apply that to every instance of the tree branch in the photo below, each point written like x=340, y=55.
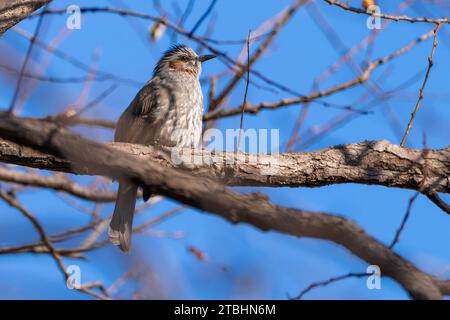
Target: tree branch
x=387, y=16
x=370, y=162
x=363, y=77
x=208, y=195
x=57, y=182
x=14, y=11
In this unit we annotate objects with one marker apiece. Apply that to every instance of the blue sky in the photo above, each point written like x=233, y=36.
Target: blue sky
x=259, y=265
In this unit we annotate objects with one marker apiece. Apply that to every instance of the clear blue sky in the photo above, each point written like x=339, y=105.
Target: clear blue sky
x=259, y=265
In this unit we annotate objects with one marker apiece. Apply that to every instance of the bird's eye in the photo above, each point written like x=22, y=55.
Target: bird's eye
x=184, y=58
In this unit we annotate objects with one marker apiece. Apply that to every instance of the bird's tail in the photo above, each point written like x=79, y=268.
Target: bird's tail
x=121, y=225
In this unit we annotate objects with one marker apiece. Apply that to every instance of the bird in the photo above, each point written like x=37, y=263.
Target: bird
x=167, y=111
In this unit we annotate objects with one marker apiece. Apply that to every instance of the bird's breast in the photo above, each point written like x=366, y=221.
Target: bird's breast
x=181, y=123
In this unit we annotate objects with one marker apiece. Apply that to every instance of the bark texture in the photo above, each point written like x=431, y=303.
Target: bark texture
x=208, y=195
x=369, y=162
x=14, y=11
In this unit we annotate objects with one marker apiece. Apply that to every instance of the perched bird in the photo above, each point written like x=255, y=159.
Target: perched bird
x=167, y=111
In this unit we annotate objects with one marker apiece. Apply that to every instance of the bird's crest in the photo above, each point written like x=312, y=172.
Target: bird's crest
x=173, y=51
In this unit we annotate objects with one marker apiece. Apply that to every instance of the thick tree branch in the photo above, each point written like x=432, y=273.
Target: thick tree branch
x=206, y=194
x=14, y=11
x=371, y=162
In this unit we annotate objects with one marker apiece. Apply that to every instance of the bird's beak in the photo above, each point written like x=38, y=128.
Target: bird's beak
x=206, y=57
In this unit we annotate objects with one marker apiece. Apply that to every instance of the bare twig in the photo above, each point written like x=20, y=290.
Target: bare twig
x=203, y=17
x=25, y=63
x=96, y=101
x=52, y=79
x=162, y=20
x=287, y=15
x=363, y=77
x=244, y=102
x=73, y=60
x=327, y=282
x=386, y=16
x=163, y=217
x=183, y=18
x=430, y=65
x=73, y=121
x=405, y=218
x=13, y=202
x=57, y=182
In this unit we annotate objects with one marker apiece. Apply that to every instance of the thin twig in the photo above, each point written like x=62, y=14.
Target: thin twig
x=363, y=77
x=71, y=59
x=287, y=15
x=386, y=16
x=57, y=182
x=329, y=281
x=86, y=288
x=159, y=219
x=425, y=80
x=203, y=17
x=245, y=92
x=183, y=18
x=227, y=60
x=13, y=202
x=405, y=218
x=25, y=63
x=52, y=79
x=95, y=101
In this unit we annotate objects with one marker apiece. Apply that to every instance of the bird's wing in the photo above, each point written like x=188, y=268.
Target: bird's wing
x=137, y=123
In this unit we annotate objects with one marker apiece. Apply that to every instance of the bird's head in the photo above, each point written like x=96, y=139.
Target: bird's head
x=181, y=58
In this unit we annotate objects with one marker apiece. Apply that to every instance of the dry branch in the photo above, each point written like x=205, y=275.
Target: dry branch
x=287, y=15
x=363, y=77
x=57, y=182
x=387, y=16
x=370, y=162
x=208, y=195
x=14, y=11
x=422, y=89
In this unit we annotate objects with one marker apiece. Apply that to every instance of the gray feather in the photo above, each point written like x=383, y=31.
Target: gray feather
x=121, y=225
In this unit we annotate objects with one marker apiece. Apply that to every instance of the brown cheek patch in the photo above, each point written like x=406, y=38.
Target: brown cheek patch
x=181, y=66
x=177, y=65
